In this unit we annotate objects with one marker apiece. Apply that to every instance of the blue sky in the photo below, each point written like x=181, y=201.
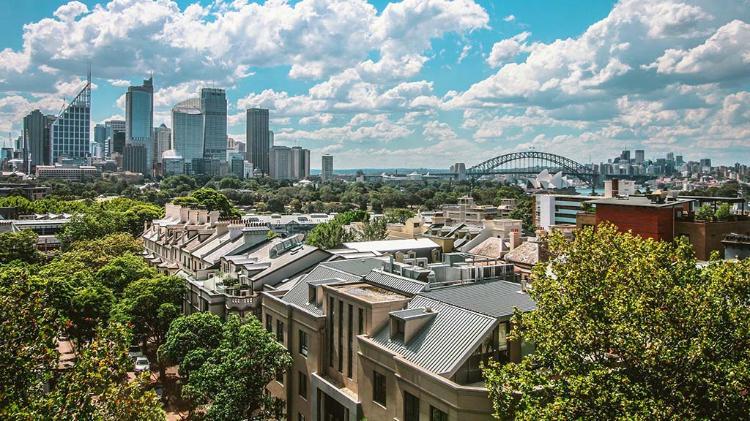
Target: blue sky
x=416, y=83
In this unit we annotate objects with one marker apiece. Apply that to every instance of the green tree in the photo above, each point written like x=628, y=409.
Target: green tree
x=27, y=340
x=627, y=328
x=211, y=200
x=150, y=305
x=97, y=387
x=398, y=216
x=122, y=270
x=88, y=307
x=90, y=225
x=19, y=245
x=328, y=235
x=373, y=230
x=232, y=381
x=98, y=252
x=187, y=333
x=704, y=213
x=723, y=212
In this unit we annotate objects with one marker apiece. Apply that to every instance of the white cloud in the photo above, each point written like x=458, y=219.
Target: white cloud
x=508, y=49
x=509, y=18
x=120, y=83
x=726, y=54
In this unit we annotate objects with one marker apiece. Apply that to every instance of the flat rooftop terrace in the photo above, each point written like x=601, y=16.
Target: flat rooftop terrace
x=369, y=293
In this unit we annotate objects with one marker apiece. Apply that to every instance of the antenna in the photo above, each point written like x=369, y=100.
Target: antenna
x=88, y=74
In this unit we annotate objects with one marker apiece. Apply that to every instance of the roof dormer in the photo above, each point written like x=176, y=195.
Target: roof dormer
x=406, y=324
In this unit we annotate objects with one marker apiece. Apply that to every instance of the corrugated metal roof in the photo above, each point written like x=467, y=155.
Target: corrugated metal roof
x=442, y=343
x=395, y=282
x=493, y=298
x=329, y=272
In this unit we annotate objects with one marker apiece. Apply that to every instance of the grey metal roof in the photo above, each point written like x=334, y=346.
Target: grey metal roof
x=326, y=273
x=395, y=282
x=444, y=342
x=493, y=298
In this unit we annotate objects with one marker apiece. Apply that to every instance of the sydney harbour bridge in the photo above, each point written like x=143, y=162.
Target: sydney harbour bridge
x=533, y=162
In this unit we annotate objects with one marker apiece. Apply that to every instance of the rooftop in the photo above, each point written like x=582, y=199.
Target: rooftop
x=392, y=245
x=639, y=201
x=493, y=298
x=369, y=293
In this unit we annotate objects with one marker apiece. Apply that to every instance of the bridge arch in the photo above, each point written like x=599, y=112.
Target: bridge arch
x=534, y=161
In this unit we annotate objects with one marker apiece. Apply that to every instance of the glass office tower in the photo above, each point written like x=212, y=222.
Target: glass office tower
x=214, y=110
x=139, y=119
x=258, y=139
x=187, y=129
x=71, y=132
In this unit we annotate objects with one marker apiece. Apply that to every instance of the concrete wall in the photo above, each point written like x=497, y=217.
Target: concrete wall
x=706, y=236
x=647, y=222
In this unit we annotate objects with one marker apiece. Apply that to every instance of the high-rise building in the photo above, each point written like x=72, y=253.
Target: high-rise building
x=163, y=141
x=36, y=136
x=670, y=156
x=139, y=119
x=100, y=134
x=134, y=158
x=214, y=111
x=112, y=127
x=640, y=156
x=300, y=163
x=326, y=173
x=187, y=129
x=70, y=133
x=679, y=160
x=625, y=156
x=258, y=139
x=280, y=163
x=199, y=132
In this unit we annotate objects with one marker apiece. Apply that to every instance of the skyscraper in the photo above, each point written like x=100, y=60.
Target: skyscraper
x=214, y=111
x=36, y=136
x=625, y=156
x=71, y=132
x=112, y=127
x=187, y=129
x=258, y=139
x=640, y=156
x=326, y=173
x=139, y=119
x=280, y=161
x=100, y=133
x=162, y=141
x=670, y=156
x=300, y=163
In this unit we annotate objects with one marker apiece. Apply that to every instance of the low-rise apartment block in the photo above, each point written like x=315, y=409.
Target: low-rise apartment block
x=225, y=264
x=378, y=339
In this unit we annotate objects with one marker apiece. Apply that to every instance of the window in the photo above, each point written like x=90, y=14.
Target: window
x=302, y=385
x=330, y=331
x=361, y=321
x=350, y=343
x=378, y=388
x=303, y=343
x=437, y=415
x=313, y=294
x=341, y=336
x=269, y=323
x=280, y=331
x=411, y=407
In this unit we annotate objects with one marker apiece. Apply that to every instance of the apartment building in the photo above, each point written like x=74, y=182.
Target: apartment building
x=225, y=264
x=464, y=212
x=377, y=339
x=557, y=209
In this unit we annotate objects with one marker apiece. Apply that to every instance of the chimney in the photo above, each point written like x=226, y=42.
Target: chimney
x=515, y=239
x=221, y=228
x=184, y=214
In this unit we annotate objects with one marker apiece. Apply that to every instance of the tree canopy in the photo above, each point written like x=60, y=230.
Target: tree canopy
x=627, y=328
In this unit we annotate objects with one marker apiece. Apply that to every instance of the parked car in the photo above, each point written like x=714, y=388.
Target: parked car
x=142, y=364
x=134, y=352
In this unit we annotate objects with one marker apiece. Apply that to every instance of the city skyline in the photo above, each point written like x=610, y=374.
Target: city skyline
x=414, y=85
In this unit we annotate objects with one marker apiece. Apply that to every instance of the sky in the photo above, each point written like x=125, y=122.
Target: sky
x=415, y=83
